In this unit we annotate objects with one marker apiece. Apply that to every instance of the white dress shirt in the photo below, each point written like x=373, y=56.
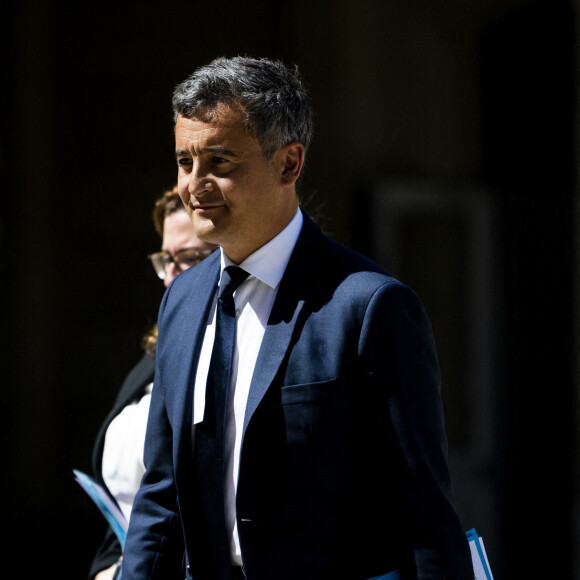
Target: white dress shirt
x=254, y=300
x=122, y=464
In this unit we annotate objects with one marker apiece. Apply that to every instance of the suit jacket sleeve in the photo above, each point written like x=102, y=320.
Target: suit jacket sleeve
x=154, y=545
x=398, y=353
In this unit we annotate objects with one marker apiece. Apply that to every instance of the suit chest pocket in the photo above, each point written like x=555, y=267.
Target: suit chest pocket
x=313, y=411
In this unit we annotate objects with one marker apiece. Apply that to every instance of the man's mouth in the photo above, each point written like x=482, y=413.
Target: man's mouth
x=204, y=206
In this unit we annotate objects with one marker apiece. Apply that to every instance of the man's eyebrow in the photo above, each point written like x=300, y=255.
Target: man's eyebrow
x=216, y=150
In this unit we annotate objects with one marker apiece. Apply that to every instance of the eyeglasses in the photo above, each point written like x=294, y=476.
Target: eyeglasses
x=183, y=260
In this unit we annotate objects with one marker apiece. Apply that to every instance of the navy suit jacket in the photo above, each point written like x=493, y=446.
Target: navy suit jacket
x=343, y=470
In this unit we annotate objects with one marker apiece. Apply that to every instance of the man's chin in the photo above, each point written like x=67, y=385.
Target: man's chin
x=205, y=230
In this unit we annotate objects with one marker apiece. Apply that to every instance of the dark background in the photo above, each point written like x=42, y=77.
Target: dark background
x=452, y=121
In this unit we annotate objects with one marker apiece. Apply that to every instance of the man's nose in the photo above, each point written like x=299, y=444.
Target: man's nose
x=200, y=181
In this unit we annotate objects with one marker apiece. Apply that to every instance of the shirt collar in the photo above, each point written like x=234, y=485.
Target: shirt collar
x=269, y=262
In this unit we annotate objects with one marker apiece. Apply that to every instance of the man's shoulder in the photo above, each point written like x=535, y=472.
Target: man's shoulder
x=336, y=272
x=190, y=293
x=347, y=262
x=205, y=274
x=324, y=248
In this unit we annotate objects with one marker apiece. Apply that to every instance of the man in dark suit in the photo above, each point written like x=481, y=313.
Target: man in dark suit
x=324, y=456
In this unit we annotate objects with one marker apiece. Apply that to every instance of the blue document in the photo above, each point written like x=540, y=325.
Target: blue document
x=481, y=567
x=105, y=504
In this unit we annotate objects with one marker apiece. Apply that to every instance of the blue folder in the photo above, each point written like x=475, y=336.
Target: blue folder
x=394, y=575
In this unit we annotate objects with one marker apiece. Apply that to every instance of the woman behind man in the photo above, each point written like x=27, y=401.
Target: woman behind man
x=118, y=452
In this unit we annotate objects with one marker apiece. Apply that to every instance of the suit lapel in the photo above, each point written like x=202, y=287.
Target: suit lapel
x=292, y=296
x=272, y=352
x=192, y=313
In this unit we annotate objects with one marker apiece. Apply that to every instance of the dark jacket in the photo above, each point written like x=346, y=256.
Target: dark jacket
x=343, y=469
x=132, y=389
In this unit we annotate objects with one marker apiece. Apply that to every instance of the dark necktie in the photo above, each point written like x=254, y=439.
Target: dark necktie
x=210, y=433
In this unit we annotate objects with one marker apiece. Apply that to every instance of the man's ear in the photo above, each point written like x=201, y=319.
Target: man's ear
x=292, y=157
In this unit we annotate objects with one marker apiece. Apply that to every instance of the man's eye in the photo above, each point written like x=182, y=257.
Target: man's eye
x=219, y=160
x=184, y=162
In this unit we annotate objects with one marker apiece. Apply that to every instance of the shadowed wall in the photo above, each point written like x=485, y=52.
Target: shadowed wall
x=445, y=98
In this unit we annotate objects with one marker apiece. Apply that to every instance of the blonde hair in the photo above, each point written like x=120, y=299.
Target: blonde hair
x=149, y=341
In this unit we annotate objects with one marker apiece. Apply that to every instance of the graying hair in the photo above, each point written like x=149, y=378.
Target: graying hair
x=272, y=97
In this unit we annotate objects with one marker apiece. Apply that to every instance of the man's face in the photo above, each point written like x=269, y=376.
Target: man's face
x=235, y=197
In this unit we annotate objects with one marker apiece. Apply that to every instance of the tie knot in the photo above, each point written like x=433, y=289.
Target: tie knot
x=232, y=277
